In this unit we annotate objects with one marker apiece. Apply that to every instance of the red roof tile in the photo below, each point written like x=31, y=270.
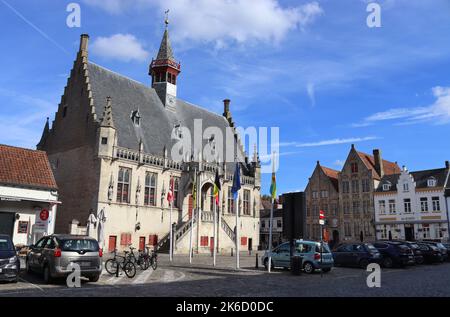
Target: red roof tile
x=333, y=175
x=390, y=168
x=24, y=167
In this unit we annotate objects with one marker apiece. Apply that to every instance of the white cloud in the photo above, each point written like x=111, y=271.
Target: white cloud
x=339, y=163
x=123, y=47
x=328, y=142
x=310, y=90
x=437, y=113
x=222, y=21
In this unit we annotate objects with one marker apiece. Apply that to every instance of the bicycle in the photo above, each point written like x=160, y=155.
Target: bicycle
x=151, y=258
x=140, y=260
x=125, y=264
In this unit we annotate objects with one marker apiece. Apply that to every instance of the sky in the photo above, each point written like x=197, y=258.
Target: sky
x=312, y=68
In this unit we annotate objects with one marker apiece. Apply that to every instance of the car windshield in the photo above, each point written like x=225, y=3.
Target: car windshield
x=414, y=246
x=79, y=245
x=371, y=247
x=440, y=245
x=6, y=245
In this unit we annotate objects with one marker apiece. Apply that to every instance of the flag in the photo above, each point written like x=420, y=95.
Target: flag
x=236, y=181
x=273, y=184
x=217, y=187
x=170, y=193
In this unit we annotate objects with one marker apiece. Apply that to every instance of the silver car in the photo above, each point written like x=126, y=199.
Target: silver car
x=314, y=257
x=53, y=257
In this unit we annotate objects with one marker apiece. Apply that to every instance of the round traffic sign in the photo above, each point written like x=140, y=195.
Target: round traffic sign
x=44, y=214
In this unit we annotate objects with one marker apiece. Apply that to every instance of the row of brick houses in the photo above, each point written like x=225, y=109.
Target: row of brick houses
x=356, y=198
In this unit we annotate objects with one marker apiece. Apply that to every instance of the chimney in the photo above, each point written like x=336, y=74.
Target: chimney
x=447, y=164
x=226, y=107
x=378, y=162
x=84, y=41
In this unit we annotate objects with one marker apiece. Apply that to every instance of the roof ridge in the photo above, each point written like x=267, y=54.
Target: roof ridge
x=22, y=148
x=119, y=75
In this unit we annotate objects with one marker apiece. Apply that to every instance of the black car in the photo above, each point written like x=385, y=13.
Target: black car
x=395, y=254
x=431, y=254
x=9, y=261
x=356, y=254
x=447, y=246
x=441, y=248
x=418, y=256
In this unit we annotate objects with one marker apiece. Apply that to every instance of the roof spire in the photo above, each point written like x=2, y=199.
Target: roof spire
x=166, y=21
x=107, y=120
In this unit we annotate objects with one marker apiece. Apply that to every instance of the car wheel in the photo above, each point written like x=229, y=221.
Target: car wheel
x=420, y=261
x=364, y=263
x=94, y=279
x=308, y=268
x=47, y=275
x=388, y=263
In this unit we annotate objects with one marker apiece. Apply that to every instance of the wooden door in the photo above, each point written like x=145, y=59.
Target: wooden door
x=112, y=243
x=142, y=243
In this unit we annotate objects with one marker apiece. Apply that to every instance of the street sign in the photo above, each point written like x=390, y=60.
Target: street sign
x=321, y=222
x=322, y=215
x=44, y=215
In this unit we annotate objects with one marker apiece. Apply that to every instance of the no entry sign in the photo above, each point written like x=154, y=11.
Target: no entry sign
x=44, y=215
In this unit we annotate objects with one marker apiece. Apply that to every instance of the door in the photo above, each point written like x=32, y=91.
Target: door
x=283, y=256
x=36, y=252
x=250, y=244
x=112, y=245
x=7, y=223
x=409, y=233
x=142, y=243
x=211, y=244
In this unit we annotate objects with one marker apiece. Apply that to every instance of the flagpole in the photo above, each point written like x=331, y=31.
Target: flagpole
x=170, y=220
x=270, y=235
x=215, y=233
x=237, y=230
x=193, y=215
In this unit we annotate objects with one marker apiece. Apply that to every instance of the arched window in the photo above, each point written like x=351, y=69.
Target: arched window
x=176, y=189
x=150, y=189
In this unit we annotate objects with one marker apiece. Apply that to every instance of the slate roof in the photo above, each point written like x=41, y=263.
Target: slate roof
x=157, y=122
x=420, y=177
x=165, y=49
x=389, y=167
x=25, y=168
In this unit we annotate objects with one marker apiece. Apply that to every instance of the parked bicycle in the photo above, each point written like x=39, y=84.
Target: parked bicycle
x=140, y=260
x=120, y=262
x=151, y=257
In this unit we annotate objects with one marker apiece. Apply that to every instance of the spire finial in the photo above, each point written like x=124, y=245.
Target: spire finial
x=166, y=21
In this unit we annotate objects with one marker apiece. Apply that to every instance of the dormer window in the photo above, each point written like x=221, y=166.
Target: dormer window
x=432, y=182
x=136, y=118
x=387, y=186
x=405, y=187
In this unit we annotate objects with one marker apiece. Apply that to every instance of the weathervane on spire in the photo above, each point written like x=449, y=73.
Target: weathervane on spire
x=167, y=17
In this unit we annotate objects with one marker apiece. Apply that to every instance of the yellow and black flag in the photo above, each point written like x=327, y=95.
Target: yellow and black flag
x=217, y=188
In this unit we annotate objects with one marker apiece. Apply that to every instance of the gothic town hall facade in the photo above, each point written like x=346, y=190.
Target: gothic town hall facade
x=110, y=147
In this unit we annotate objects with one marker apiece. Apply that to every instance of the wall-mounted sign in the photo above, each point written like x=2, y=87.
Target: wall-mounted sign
x=22, y=227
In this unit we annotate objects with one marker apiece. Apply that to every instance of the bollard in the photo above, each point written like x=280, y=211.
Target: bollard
x=257, y=262
x=117, y=271
x=231, y=251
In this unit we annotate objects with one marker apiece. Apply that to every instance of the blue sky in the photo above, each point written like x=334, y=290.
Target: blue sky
x=312, y=68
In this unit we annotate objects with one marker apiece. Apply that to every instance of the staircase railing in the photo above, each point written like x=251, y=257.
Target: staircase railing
x=230, y=232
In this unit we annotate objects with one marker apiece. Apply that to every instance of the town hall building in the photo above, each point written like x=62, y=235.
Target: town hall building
x=110, y=146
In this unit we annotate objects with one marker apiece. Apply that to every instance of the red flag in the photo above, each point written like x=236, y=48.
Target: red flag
x=170, y=193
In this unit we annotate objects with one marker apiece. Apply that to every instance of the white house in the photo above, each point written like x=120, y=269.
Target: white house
x=28, y=195
x=413, y=206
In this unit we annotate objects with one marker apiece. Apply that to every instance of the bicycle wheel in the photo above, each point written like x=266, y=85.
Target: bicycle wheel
x=129, y=269
x=145, y=263
x=154, y=263
x=111, y=266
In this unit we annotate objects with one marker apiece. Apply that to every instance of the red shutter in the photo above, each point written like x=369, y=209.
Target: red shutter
x=153, y=239
x=204, y=241
x=243, y=240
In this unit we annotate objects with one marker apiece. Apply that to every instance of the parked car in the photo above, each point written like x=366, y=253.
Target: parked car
x=447, y=246
x=310, y=251
x=9, y=261
x=52, y=256
x=418, y=256
x=431, y=254
x=357, y=254
x=441, y=248
x=395, y=254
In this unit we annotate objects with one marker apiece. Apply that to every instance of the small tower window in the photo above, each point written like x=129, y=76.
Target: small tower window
x=432, y=182
x=386, y=186
x=136, y=118
x=104, y=141
x=170, y=77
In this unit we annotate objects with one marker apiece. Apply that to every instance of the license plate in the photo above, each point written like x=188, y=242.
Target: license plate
x=83, y=264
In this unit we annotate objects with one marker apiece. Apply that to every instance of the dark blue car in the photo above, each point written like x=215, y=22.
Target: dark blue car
x=395, y=254
x=356, y=254
x=9, y=262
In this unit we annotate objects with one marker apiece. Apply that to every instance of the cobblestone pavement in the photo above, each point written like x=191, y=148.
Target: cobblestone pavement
x=200, y=279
